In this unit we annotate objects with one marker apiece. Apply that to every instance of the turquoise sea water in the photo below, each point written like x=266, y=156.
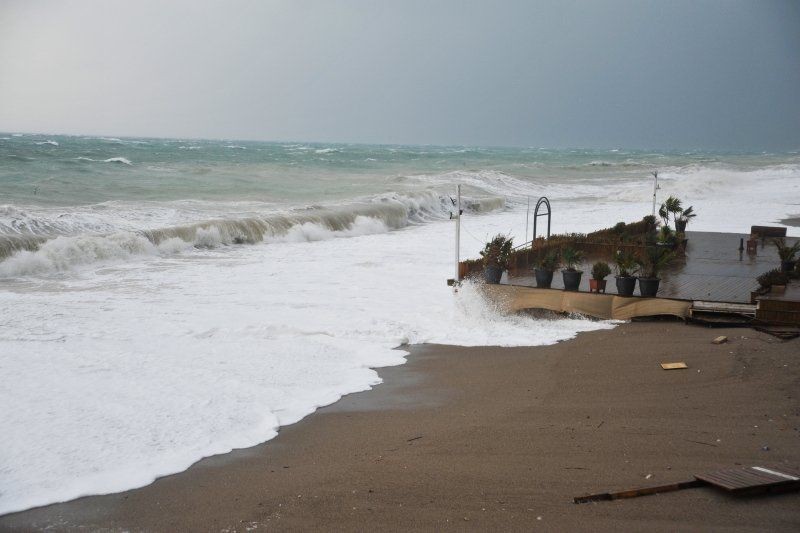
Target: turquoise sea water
x=69, y=170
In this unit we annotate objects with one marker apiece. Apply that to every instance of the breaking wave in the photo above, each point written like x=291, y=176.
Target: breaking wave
x=121, y=160
x=30, y=246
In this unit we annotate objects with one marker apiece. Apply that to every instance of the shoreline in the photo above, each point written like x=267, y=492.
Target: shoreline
x=487, y=437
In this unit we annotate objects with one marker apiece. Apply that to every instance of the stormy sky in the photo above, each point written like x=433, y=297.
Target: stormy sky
x=647, y=74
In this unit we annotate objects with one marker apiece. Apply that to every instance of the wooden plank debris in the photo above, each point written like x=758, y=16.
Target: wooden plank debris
x=751, y=479
x=739, y=481
x=634, y=493
x=673, y=366
x=724, y=307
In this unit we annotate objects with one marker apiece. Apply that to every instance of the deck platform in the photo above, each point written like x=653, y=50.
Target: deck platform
x=713, y=271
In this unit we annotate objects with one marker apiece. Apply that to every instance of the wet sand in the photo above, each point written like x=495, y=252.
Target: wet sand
x=503, y=439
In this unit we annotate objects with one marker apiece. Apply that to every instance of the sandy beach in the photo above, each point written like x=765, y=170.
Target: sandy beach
x=502, y=439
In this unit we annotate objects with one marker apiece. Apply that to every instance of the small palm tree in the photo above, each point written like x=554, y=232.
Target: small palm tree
x=653, y=260
x=547, y=262
x=626, y=264
x=571, y=258
x=684, y=218
x=671, y=206
x=786, y=252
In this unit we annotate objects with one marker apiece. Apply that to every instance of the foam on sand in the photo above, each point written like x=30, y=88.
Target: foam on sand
x=175, y=361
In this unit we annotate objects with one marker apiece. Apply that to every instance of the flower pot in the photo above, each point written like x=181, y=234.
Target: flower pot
x=648, y=287
x=597, y=285
x=543, y=278
x=492, y=273
x=787, y=266
x=626, y=285
x=572, y=279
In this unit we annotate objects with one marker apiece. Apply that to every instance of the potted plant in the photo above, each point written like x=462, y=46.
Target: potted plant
x=626, y=268
x=495, y=257
x=651, y=262
x=786, y=253
x=684, y=218
x=545, y=266
x=571, y=258
x=599, y=272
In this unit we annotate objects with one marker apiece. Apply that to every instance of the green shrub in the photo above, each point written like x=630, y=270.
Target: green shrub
x=497, y=251
x=600, y=270
x=772, y=277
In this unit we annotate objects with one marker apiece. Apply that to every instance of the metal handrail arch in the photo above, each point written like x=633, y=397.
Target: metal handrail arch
x=542, y=201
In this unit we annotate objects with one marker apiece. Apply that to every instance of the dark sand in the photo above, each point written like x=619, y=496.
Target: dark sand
x=502, y=439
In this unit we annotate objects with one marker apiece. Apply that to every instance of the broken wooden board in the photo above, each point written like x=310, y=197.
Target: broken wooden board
x=752, y=479
x=739, y=481
x=634, y=493
x=673, y=366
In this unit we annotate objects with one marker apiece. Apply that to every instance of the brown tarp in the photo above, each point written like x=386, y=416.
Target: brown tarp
x=609, y=306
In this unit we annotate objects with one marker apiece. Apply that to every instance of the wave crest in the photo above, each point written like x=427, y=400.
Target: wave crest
x=30, y=250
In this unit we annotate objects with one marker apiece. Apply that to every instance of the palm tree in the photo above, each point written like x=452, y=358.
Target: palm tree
x=671, y=206
x=683, y=219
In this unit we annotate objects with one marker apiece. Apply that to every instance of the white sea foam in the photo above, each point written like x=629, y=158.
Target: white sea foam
x=121, y=160
x=162, y=366
x=51, y=143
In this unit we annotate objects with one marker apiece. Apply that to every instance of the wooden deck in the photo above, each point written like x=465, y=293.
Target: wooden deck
x=713, y=271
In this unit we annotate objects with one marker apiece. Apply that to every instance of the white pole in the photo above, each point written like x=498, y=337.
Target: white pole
x=655, y=188
x=458, y=232
x=527, y=218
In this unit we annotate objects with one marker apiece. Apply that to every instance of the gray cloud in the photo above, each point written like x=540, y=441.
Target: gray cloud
x=711, y=74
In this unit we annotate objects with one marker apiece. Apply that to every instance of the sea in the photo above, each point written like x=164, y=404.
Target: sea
x=164, y=300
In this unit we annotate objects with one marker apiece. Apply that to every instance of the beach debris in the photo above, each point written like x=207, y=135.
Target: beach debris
x=701, y=442
x=747, y=480
x=765, y=448
x=673, y=366
x=720, y=340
